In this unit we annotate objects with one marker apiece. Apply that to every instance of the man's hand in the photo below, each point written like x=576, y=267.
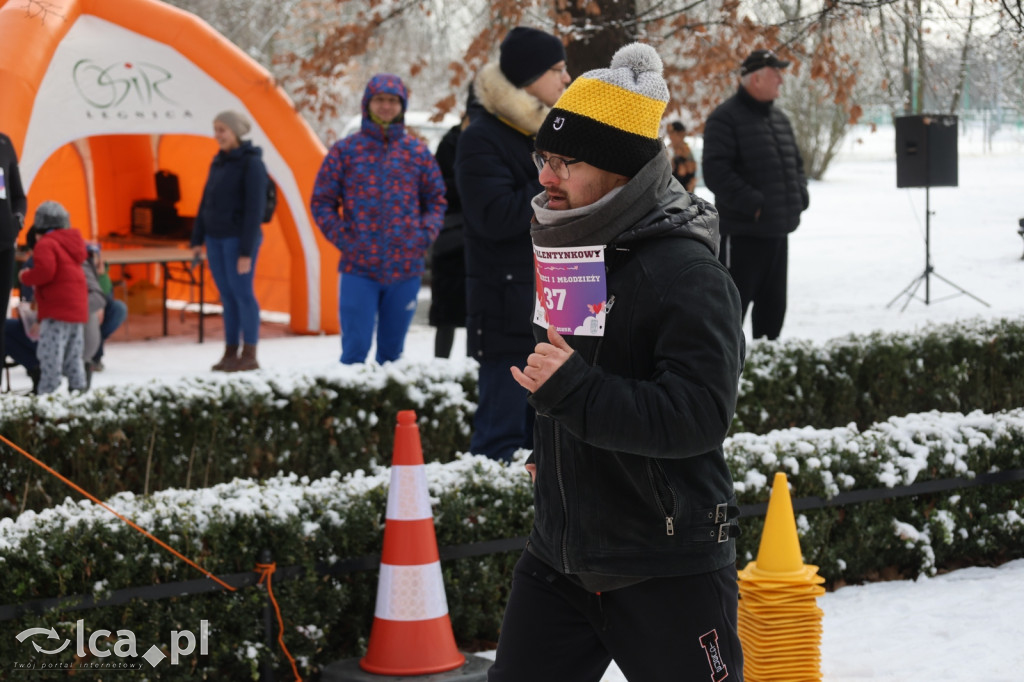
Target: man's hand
x=544, y=361
x=244, y=265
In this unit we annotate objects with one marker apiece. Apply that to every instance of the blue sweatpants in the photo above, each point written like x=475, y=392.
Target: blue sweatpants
x=364, y=303
x=241, y=309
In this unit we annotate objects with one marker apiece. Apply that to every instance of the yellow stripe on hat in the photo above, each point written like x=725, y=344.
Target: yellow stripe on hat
x=614, y=106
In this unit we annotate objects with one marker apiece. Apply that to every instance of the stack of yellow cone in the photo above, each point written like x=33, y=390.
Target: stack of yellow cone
x=779, y=618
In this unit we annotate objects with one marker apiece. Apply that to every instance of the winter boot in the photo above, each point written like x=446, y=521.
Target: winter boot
x=228, y=362
x=247, y=360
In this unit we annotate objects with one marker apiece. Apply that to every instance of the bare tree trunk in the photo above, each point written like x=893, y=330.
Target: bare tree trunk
x=908, y=72
x=601, y=27
x=919, y=25
x=964, y=53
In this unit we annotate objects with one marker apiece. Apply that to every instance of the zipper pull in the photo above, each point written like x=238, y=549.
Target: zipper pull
x=670, y=526
x=609, y=304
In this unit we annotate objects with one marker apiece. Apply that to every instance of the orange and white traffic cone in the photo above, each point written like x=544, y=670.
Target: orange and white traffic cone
x=411, y=633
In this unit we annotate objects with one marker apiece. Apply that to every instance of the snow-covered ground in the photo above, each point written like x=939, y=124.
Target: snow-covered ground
x=964, y=626
x=859, y=246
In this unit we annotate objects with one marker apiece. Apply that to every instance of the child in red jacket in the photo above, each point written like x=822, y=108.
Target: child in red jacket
x=61, y=296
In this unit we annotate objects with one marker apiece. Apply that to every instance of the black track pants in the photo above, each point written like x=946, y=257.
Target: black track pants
x=7, y=270
x=661, y=630
x=759, y=267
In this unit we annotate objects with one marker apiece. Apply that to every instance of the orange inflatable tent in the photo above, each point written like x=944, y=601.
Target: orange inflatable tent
x=98, y=95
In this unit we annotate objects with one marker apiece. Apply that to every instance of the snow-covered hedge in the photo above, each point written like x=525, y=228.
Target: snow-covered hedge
x=906, y=536
x=78, y=548
x=199, y=431
x=969, y=365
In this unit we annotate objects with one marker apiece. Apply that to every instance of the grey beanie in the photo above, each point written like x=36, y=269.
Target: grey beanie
x=237, y=122
x=51, y=216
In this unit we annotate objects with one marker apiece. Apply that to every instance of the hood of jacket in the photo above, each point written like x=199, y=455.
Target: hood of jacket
x=514, y=106
x=70, y=242
x=652, y=204
x=245, y=148
x=387, y=84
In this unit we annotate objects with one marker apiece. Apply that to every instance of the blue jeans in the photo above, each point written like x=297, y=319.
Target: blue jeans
x=363, y=303
x=241, y=309
x=503, y=422
x=19, y=347
x=22, y=349
x=114, y=314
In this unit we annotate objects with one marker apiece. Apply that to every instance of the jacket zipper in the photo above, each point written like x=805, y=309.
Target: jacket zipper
x=670, y=526
x=558, y=457
x=561, y=492
x=600, y=340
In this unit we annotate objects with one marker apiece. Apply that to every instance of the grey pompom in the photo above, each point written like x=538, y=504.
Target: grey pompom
x=638, y=57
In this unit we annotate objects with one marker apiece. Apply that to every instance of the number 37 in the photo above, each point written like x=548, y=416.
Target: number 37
x=554, y=298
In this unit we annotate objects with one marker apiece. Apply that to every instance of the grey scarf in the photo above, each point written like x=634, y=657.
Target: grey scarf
x=606, y=219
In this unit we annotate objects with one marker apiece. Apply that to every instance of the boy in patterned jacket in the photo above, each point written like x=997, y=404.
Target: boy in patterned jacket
x=379, y=198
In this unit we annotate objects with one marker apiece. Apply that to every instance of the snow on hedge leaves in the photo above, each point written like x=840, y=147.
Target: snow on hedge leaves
x=897, y=452
x=436, y=383
x=318, y=503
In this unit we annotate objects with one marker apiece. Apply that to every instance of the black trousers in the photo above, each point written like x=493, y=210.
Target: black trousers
x=678, y=629
x=759, y=267
x=7, y=270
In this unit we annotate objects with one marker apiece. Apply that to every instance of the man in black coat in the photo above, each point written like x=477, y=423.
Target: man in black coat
x=13, y=205
x=753, y=166
x=496, y=179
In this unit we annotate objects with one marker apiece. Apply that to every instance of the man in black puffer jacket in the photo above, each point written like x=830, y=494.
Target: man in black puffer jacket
x=634, y=377
x=496, y=180
x=753, y=165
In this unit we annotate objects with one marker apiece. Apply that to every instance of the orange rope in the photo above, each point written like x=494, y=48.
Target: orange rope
x=128, y=521
x=267, y=571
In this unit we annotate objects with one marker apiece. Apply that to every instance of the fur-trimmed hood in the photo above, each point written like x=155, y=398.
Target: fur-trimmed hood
x=513, y=105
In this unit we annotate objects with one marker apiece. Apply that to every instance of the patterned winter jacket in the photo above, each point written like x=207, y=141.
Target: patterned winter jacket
x=379, y=196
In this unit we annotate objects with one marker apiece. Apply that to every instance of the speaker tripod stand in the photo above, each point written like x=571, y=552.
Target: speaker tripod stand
x=910, y=291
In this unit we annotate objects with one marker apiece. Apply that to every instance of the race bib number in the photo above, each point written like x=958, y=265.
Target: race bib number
x=572, y=288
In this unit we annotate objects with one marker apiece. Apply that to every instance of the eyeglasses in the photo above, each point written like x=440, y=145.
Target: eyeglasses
x=559, y=166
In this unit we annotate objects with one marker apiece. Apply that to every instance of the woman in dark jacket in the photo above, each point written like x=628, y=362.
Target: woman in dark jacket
x=12, y=215
x=228, y=222
x=496, y=177
x=447, y=254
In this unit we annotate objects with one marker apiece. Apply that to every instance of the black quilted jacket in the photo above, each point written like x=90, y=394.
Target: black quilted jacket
x=751, y=162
